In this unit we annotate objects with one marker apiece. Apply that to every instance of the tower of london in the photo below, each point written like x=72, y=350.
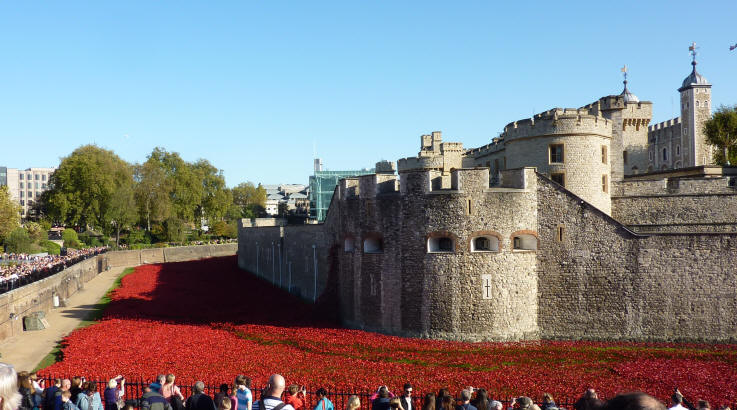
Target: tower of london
x=577, y=223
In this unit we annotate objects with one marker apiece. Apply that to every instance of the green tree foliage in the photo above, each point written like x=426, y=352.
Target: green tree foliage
x=9, y=213
x=82, y=188
x=174, y=229
x=186, y=189
x=70, y=238
x=250, y=199
x=122, y=210
x=19, y=242
x=215, y=196
x=50, y=247
x=153, y=192
x=36, y=232
x=721, y=131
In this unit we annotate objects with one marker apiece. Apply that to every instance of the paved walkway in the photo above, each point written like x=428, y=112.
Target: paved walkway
x=26, y=350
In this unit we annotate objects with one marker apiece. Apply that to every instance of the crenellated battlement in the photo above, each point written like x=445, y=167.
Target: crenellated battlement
x=665, y=124
x=496, y=144
x=559, y=121
x=431, y=181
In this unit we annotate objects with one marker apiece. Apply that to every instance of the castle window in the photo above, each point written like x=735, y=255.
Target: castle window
x=560, y=233
x=496, y=165
x=348, y=244
x=440, y=244
x=624, y=157
x=665, y=154
x=524, y=242
x=556, y=153
x=485, y=244
x=678, y=150
x=373, y=245
x=706, y=104
x=650, y=155
x=603, y=154
x=697, y=103
x=604, y=184
x=559, y=178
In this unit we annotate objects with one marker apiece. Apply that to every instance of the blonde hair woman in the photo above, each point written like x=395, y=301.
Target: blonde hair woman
x=169, y=389
x=9, y=396
x=353, y=403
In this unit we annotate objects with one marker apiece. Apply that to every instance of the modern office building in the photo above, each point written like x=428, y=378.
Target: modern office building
x=26, y=185
x=322, y=185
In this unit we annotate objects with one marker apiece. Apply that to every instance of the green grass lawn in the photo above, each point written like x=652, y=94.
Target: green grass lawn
x=55, y=355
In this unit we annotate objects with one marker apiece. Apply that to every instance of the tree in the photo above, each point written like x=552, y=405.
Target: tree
x=19, y=242
x=283, y=209
x=186, y=190
x=122, y=210
x=70, y=238
x=215, y=196
x=81, y=190
x=250, y=199
x=9, y=213
x=721, y=131
x=35, y=231
x=152, y=192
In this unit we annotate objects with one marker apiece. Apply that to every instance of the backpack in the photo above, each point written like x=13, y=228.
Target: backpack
x=262, y=406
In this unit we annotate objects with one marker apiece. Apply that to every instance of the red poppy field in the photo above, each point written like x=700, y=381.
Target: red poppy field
x=207, y=320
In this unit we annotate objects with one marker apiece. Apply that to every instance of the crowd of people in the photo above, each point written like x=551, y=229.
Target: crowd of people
x=20, y=269
x=25, y=391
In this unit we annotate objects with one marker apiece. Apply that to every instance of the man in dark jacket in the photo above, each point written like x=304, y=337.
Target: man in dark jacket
x=50, y=395
x=153, y=400
x=406, y=398
x=199, y=400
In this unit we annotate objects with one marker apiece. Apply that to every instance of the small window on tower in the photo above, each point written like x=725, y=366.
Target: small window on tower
x=624, y=157
x=604, y=185
x=556, y=153
x=559, y=178
x=697, y=103
x=603, y=154
x=678, y=150
x=665, y=154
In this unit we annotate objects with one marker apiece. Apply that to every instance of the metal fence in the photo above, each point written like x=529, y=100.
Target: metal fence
x=134, y=391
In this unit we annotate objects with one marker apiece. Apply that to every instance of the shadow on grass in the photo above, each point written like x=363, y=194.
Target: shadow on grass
x=88, y=314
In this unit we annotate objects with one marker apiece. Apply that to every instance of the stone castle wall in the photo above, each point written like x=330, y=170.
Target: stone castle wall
x=587, y=277
x=285, y=257
x=38, y=296
x=607, y=283
x=405, y=289
x=677, y=204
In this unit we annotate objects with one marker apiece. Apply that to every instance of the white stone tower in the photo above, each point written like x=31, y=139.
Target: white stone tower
x=695, y=110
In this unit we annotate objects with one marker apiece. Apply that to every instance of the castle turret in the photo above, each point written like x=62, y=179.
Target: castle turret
x=695, y=110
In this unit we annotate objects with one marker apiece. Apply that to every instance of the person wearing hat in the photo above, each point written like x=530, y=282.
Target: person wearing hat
x=153, y=400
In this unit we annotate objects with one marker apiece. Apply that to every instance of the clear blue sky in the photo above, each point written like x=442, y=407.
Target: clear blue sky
x=251, y=86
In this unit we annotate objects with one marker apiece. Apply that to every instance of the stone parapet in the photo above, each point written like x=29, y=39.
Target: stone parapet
x=559, y=121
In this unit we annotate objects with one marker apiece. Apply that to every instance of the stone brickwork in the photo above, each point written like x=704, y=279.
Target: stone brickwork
x=292, y=257
x=679, y=204
x=576, y=273
x=583, y=137
x=606, y=282
x=481, y=244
